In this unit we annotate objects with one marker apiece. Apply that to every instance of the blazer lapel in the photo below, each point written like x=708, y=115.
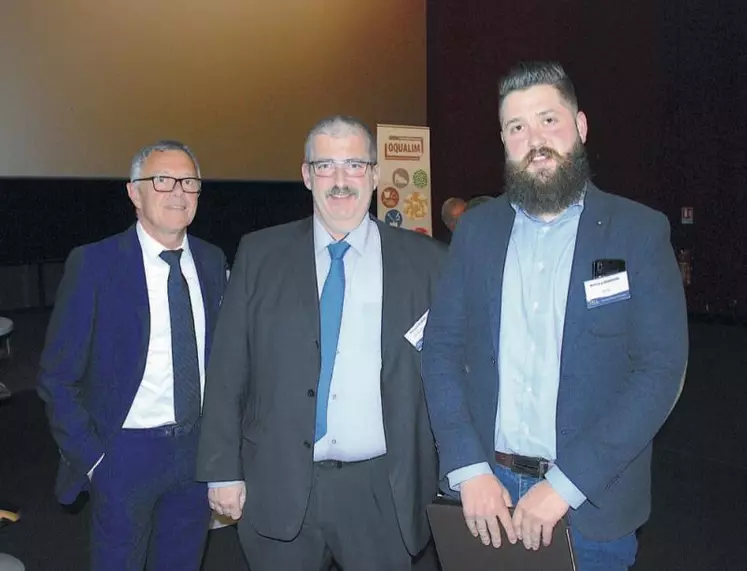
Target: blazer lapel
x=395, y=320
x=209, y=303
x=590, y=239
x=303, y=260
x=135, y=313
x=495, y=258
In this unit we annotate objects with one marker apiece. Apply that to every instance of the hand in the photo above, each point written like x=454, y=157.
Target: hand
x=485, y=502
x=228, y=500
x=537, y=513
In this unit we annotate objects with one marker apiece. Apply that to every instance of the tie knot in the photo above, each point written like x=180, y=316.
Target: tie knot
x=337, y=249
x=171, y=257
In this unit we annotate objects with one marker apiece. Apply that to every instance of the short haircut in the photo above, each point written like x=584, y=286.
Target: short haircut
x=529, y=74
x=446, y=214
x=340, y=126
x=136, y=168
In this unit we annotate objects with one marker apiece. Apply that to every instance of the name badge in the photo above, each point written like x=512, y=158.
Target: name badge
x=607, y=289
x=415, y=334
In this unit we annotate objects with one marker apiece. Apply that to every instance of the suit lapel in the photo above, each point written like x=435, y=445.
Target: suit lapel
x=303, y=260
x=209, y=303
x=495, y=259
x=395, y=320
x=130, y=284
x=590, y=240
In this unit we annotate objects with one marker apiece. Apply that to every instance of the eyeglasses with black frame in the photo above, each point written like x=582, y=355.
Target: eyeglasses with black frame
x=163, y=183
x=353, y=168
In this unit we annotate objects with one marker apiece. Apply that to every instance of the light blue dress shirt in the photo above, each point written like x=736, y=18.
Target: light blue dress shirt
x=535, y=291
x=355, y=422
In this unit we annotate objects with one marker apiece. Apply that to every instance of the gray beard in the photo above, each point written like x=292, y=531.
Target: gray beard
x=540, y=196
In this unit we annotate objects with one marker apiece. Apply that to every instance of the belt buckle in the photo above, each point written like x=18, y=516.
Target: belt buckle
x=528, y=466
x=329, y=464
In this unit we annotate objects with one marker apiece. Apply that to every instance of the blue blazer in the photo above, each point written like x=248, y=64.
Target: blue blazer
x=97, y=343
x=622, y=364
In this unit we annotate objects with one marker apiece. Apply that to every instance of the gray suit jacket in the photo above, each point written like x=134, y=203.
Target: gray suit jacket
x=260, y=403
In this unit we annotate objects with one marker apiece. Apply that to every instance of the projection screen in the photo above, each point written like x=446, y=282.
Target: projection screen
x=85, y=83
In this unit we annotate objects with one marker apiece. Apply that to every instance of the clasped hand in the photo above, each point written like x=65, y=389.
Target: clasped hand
x=228, y=500
x=485, y=502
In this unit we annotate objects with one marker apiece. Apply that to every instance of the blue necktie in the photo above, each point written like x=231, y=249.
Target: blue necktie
x=183, y=344
x=330, y=316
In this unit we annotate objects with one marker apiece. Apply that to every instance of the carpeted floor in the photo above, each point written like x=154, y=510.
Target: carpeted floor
x=699, y=519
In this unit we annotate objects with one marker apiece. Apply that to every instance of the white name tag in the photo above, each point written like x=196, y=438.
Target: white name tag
x=607, y=289
x=415, y=334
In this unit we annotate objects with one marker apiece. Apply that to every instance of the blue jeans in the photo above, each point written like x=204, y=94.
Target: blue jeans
x=616, y=555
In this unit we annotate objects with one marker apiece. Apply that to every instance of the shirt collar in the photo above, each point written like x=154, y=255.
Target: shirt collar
x=152, y=248
x=357, y=238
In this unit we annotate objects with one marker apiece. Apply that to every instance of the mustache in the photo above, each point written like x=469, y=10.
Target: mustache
x=541, y=152
x=341, y=192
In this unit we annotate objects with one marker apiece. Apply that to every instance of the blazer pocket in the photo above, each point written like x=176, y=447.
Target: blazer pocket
x=609, y=320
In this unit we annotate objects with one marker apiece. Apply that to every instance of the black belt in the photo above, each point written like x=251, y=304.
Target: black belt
x=167, y=430
x=527, y=465
x=337, y=464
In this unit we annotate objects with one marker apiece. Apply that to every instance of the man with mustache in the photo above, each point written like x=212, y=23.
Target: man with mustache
x=545, y=382
x=315, y=427
x=122, y=371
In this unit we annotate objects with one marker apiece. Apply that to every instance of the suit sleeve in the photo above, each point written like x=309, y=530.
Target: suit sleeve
x=657, y=348
x=227, y=378
x=64, y=361
x=443, y=363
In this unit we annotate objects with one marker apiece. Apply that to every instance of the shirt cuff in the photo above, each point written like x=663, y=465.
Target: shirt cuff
x=565, y=488
x=224, y=484
x=90, y=472
x=456, y=477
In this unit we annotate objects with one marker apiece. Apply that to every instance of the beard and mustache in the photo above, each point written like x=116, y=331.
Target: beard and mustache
x=548, y=192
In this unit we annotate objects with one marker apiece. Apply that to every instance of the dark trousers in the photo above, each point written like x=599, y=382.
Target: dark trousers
x=146, y=504
x=350, y=519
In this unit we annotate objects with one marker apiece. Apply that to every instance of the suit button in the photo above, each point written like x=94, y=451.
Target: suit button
x=307, y=444
x=311, y=392
x=492, y=360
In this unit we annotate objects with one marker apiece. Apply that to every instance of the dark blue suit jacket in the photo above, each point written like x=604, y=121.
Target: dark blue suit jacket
x=97, y=343
x=622, y=364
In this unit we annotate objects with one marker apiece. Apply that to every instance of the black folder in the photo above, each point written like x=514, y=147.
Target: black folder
x=459, y=551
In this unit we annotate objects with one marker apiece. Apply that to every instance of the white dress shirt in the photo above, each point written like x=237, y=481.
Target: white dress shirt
x=154, y=401
x=355, y=423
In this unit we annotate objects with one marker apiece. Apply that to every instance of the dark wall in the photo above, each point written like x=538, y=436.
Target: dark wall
x=43, y=219
x=663, y=84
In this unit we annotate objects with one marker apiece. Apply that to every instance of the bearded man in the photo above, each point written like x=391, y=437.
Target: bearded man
x=556, y=343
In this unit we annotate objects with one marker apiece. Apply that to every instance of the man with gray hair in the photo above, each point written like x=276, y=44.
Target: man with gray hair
x=314, y=414
x=122, y=372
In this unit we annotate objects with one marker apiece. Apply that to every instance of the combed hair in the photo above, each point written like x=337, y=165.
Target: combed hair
x=446, y=215
x=142, y=155
x=529, y=74
x=340, y=126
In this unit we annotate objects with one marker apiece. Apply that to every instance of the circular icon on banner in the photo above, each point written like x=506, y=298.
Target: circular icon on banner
x=420, y=178
x=422, y=230
x=416, y=206
x=400, y=178
x=390, y=197
x=393, y=218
